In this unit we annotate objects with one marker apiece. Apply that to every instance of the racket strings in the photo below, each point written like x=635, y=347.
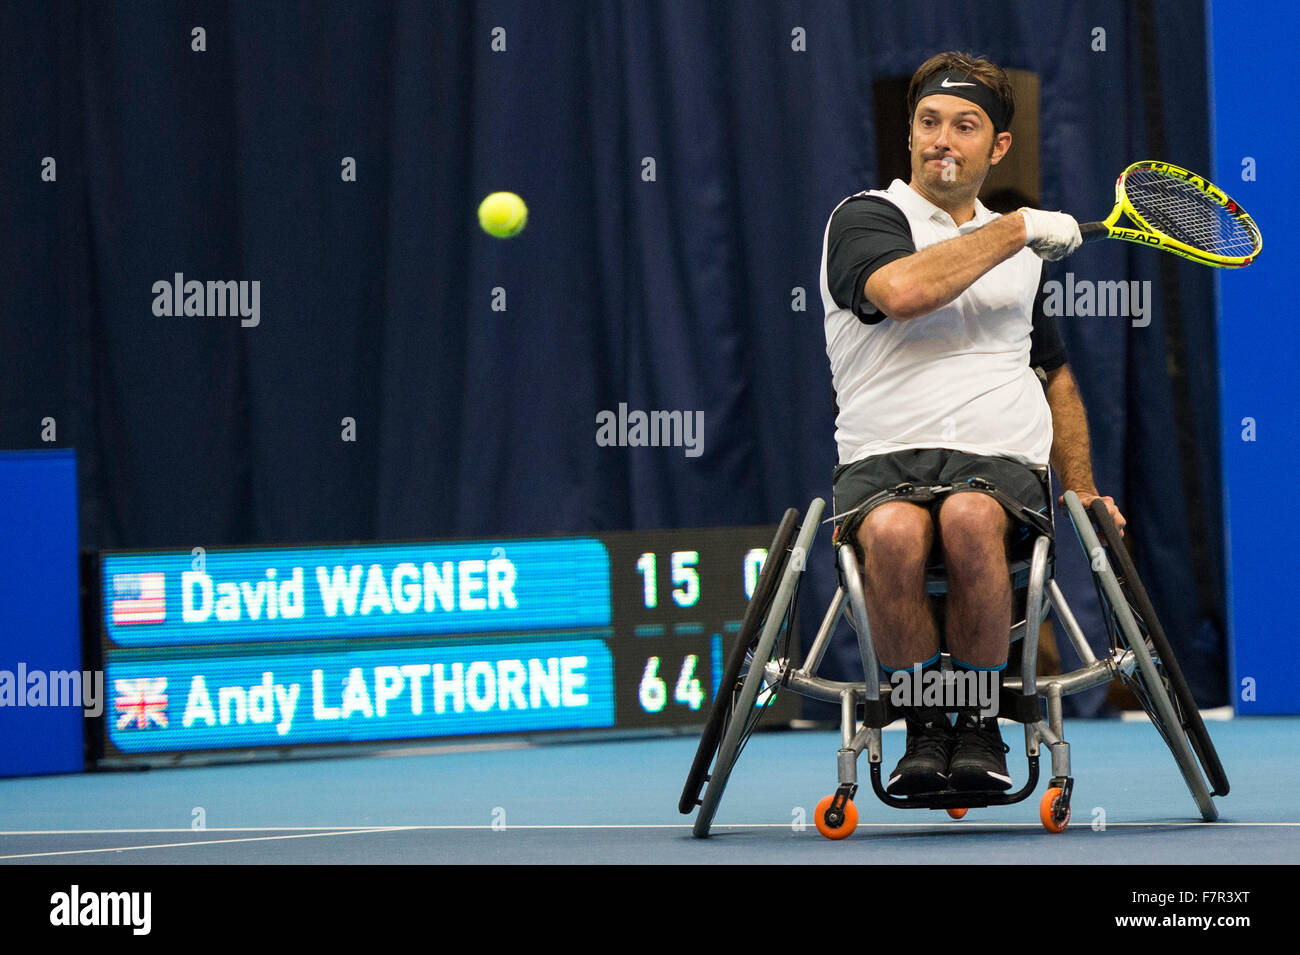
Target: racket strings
x=1183, y=212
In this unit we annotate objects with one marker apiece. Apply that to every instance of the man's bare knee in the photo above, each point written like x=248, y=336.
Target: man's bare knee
x=896, y=537
x=972, y=525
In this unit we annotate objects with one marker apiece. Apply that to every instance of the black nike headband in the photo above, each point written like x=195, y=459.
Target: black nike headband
x=956, y=83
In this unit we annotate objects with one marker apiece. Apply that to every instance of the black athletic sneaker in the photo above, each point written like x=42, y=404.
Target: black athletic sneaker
x=924, y=767
x=979, y=758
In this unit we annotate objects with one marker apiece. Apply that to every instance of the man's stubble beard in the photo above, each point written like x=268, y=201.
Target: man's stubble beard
x=955, y=188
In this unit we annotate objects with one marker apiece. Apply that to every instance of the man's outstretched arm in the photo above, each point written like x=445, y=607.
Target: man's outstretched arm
x=1071, y=448
x=919, y=283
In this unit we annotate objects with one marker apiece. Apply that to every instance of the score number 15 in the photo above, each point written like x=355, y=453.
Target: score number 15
x=686, y=578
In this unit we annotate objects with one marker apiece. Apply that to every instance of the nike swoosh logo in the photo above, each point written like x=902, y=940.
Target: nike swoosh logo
x=948, y=84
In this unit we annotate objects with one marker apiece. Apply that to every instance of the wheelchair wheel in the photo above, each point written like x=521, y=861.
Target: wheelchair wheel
x=737, y=708
x=1157, y=681
x=1053, y=811
x=836, y=823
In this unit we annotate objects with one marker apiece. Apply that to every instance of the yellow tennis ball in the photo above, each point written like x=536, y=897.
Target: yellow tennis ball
x=502, y=214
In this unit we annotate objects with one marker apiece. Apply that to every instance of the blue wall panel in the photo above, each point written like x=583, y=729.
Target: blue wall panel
x=1253, y=64
x=39, y=612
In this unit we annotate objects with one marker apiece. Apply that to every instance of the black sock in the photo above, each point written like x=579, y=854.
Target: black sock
x=918, y=715
x=973, y=715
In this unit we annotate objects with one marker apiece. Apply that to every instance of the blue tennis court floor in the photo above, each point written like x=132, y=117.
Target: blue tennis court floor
x=615, y=802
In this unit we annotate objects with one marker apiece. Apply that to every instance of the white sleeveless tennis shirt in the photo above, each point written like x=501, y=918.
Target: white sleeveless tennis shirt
x=958, y=377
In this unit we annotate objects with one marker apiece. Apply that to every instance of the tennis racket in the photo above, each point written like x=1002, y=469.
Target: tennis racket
x=1179, y=212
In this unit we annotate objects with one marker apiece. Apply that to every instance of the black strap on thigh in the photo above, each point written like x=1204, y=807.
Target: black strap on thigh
x=913, y=493
x=846, y=531
x=926, y=493
x=1039, y=522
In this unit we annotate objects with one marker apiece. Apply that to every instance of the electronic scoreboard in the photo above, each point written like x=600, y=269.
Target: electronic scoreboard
x=234, y=648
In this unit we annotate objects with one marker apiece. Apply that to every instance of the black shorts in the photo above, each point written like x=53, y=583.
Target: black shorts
x=856, y=482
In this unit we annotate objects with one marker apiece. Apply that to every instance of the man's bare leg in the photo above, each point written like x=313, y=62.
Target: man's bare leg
x=974, y=528
x=895, y=539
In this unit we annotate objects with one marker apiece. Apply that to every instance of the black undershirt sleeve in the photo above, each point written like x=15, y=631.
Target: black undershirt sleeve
x=1046, y=349
x=866, y=233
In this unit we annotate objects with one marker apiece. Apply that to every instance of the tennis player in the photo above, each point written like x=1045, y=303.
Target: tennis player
x=934, y=338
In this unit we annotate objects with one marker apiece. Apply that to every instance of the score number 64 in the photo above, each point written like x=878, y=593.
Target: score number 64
x=653, y=692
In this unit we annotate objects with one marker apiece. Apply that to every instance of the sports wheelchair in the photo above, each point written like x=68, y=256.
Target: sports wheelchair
x=759, y=666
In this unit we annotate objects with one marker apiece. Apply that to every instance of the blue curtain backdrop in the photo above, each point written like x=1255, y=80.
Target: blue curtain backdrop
x=674, y=294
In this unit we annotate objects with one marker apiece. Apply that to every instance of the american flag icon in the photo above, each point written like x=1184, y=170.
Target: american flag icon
x=143, y=702
x=139, y=598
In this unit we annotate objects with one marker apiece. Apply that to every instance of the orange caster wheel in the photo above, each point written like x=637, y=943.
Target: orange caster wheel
x=836, y=825
x=958, y=813
x=1050, y=812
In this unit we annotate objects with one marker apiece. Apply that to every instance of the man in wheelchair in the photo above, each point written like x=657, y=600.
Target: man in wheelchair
x=953, y=394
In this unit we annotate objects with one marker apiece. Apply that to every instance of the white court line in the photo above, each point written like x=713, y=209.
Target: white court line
x=355, y=830
x=97, y=832
x=173, y=845
x=1218, y=714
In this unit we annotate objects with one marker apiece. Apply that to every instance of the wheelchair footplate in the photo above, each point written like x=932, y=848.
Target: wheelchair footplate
x=837, y=816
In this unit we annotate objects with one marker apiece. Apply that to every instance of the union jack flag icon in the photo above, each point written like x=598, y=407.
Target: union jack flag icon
x=143, y=702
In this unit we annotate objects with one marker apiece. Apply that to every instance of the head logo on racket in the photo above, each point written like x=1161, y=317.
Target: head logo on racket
x=1180, y=212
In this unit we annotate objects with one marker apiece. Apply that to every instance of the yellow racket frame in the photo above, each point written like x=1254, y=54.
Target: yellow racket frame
x=1153, y=238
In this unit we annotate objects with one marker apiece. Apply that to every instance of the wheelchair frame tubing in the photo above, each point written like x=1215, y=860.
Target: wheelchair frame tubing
x=1174, y=734
x=764, y=590
x=731, y=740
x=1198, y=735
